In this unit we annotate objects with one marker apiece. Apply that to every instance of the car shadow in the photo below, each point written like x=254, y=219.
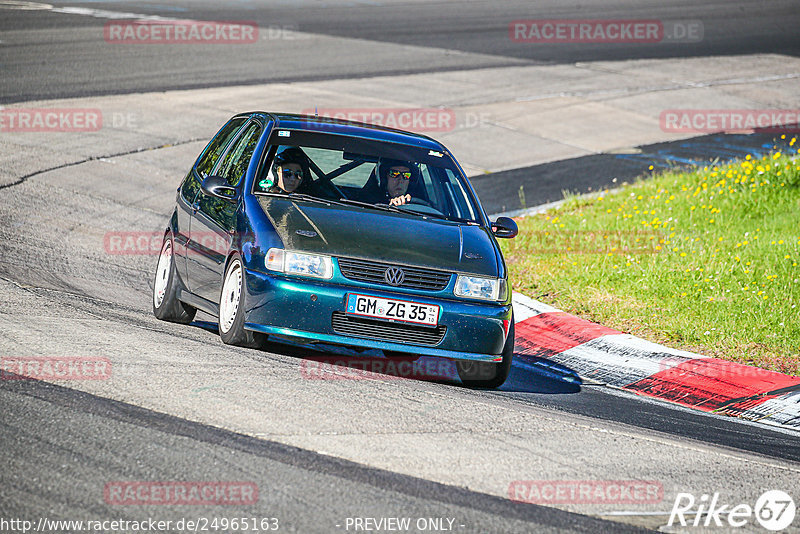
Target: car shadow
x=529, y=374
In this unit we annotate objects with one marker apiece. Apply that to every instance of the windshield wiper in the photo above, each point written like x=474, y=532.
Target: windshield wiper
x=396, y=209
x=303, y=196
x=384, y=207
x=294, y=196
x=310, y=198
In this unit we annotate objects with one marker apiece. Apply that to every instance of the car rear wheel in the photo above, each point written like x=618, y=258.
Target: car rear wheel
x=231, y=309
x=166, y=305
x=488, y=374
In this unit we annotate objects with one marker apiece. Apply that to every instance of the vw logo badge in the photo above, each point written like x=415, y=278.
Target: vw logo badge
x=394, y=276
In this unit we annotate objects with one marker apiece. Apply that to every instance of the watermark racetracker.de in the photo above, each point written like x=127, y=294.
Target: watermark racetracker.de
x=555, y=492
x=730, y=120
x=24, y=120
x=642, y=31
x=180, y=32
x=127, y=525
x=179, y=493
x=139, y=243
x=68, y=120
x=55, y=368
x=419, y=120
x=412, y=119
x=372, y=368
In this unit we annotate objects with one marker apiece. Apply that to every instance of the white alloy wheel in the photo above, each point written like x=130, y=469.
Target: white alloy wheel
x=231, y=295
x=163, y=271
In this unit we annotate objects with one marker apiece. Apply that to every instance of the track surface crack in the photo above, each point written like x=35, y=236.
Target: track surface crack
x=22, y=179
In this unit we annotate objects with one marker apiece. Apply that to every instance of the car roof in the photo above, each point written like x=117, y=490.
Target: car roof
x=311, y=123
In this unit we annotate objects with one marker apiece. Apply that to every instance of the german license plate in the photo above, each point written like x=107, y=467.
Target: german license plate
x=396, y=310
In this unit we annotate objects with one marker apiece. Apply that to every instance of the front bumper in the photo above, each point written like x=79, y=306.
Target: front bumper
x=303, y=308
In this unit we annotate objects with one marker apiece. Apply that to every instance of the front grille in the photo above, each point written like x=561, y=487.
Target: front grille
x=385, y=331
x=415, y=277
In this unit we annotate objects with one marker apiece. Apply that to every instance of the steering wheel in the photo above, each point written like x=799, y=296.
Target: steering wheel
x=419, y=201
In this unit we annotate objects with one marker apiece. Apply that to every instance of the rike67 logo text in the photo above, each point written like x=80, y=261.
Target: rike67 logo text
x=774, y=510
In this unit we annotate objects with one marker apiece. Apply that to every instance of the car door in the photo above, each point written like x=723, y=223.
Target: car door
x=214, y=219
x=185, y=245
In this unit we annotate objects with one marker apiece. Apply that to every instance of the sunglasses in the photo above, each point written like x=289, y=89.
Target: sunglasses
x=287, y=173
x=401, y=175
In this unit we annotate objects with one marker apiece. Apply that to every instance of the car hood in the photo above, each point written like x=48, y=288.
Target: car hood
x=352, y=231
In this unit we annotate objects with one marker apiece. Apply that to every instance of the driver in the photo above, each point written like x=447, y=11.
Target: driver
x=395, y=176
x=397, y=180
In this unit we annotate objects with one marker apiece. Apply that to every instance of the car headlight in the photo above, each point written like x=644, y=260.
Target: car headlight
x=476, y=287
x=289, y=262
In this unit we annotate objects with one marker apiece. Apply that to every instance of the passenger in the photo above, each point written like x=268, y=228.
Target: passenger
x=290, y=172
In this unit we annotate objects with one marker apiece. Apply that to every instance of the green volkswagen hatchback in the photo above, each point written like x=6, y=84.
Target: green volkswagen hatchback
x=341, y=233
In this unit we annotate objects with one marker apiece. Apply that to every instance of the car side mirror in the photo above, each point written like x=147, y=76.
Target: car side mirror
x=505, y=227
x=218, y=187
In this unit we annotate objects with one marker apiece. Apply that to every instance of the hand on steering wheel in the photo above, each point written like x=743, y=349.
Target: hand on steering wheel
x=399, y=201
x=408, y=199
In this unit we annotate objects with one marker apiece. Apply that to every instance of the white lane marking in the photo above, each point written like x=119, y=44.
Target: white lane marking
x=525, y=307
x=24, y=6
x=111, y=15
x=85, y=11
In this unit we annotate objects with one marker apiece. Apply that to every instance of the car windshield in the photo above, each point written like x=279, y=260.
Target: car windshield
x=370, y=174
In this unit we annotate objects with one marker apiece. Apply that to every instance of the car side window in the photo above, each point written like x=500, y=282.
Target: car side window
x=457, y=196
x=217, y=145
x=236, y=161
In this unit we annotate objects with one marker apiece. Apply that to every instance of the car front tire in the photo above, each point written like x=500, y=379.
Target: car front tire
x=166, y=305
x=231, y=308
x=488, y=374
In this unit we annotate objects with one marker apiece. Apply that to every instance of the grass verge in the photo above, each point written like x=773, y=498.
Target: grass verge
x=705, y=260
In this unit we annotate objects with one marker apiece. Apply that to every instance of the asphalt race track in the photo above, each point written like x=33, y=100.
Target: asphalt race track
x=51, y=55
x=181, y=406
